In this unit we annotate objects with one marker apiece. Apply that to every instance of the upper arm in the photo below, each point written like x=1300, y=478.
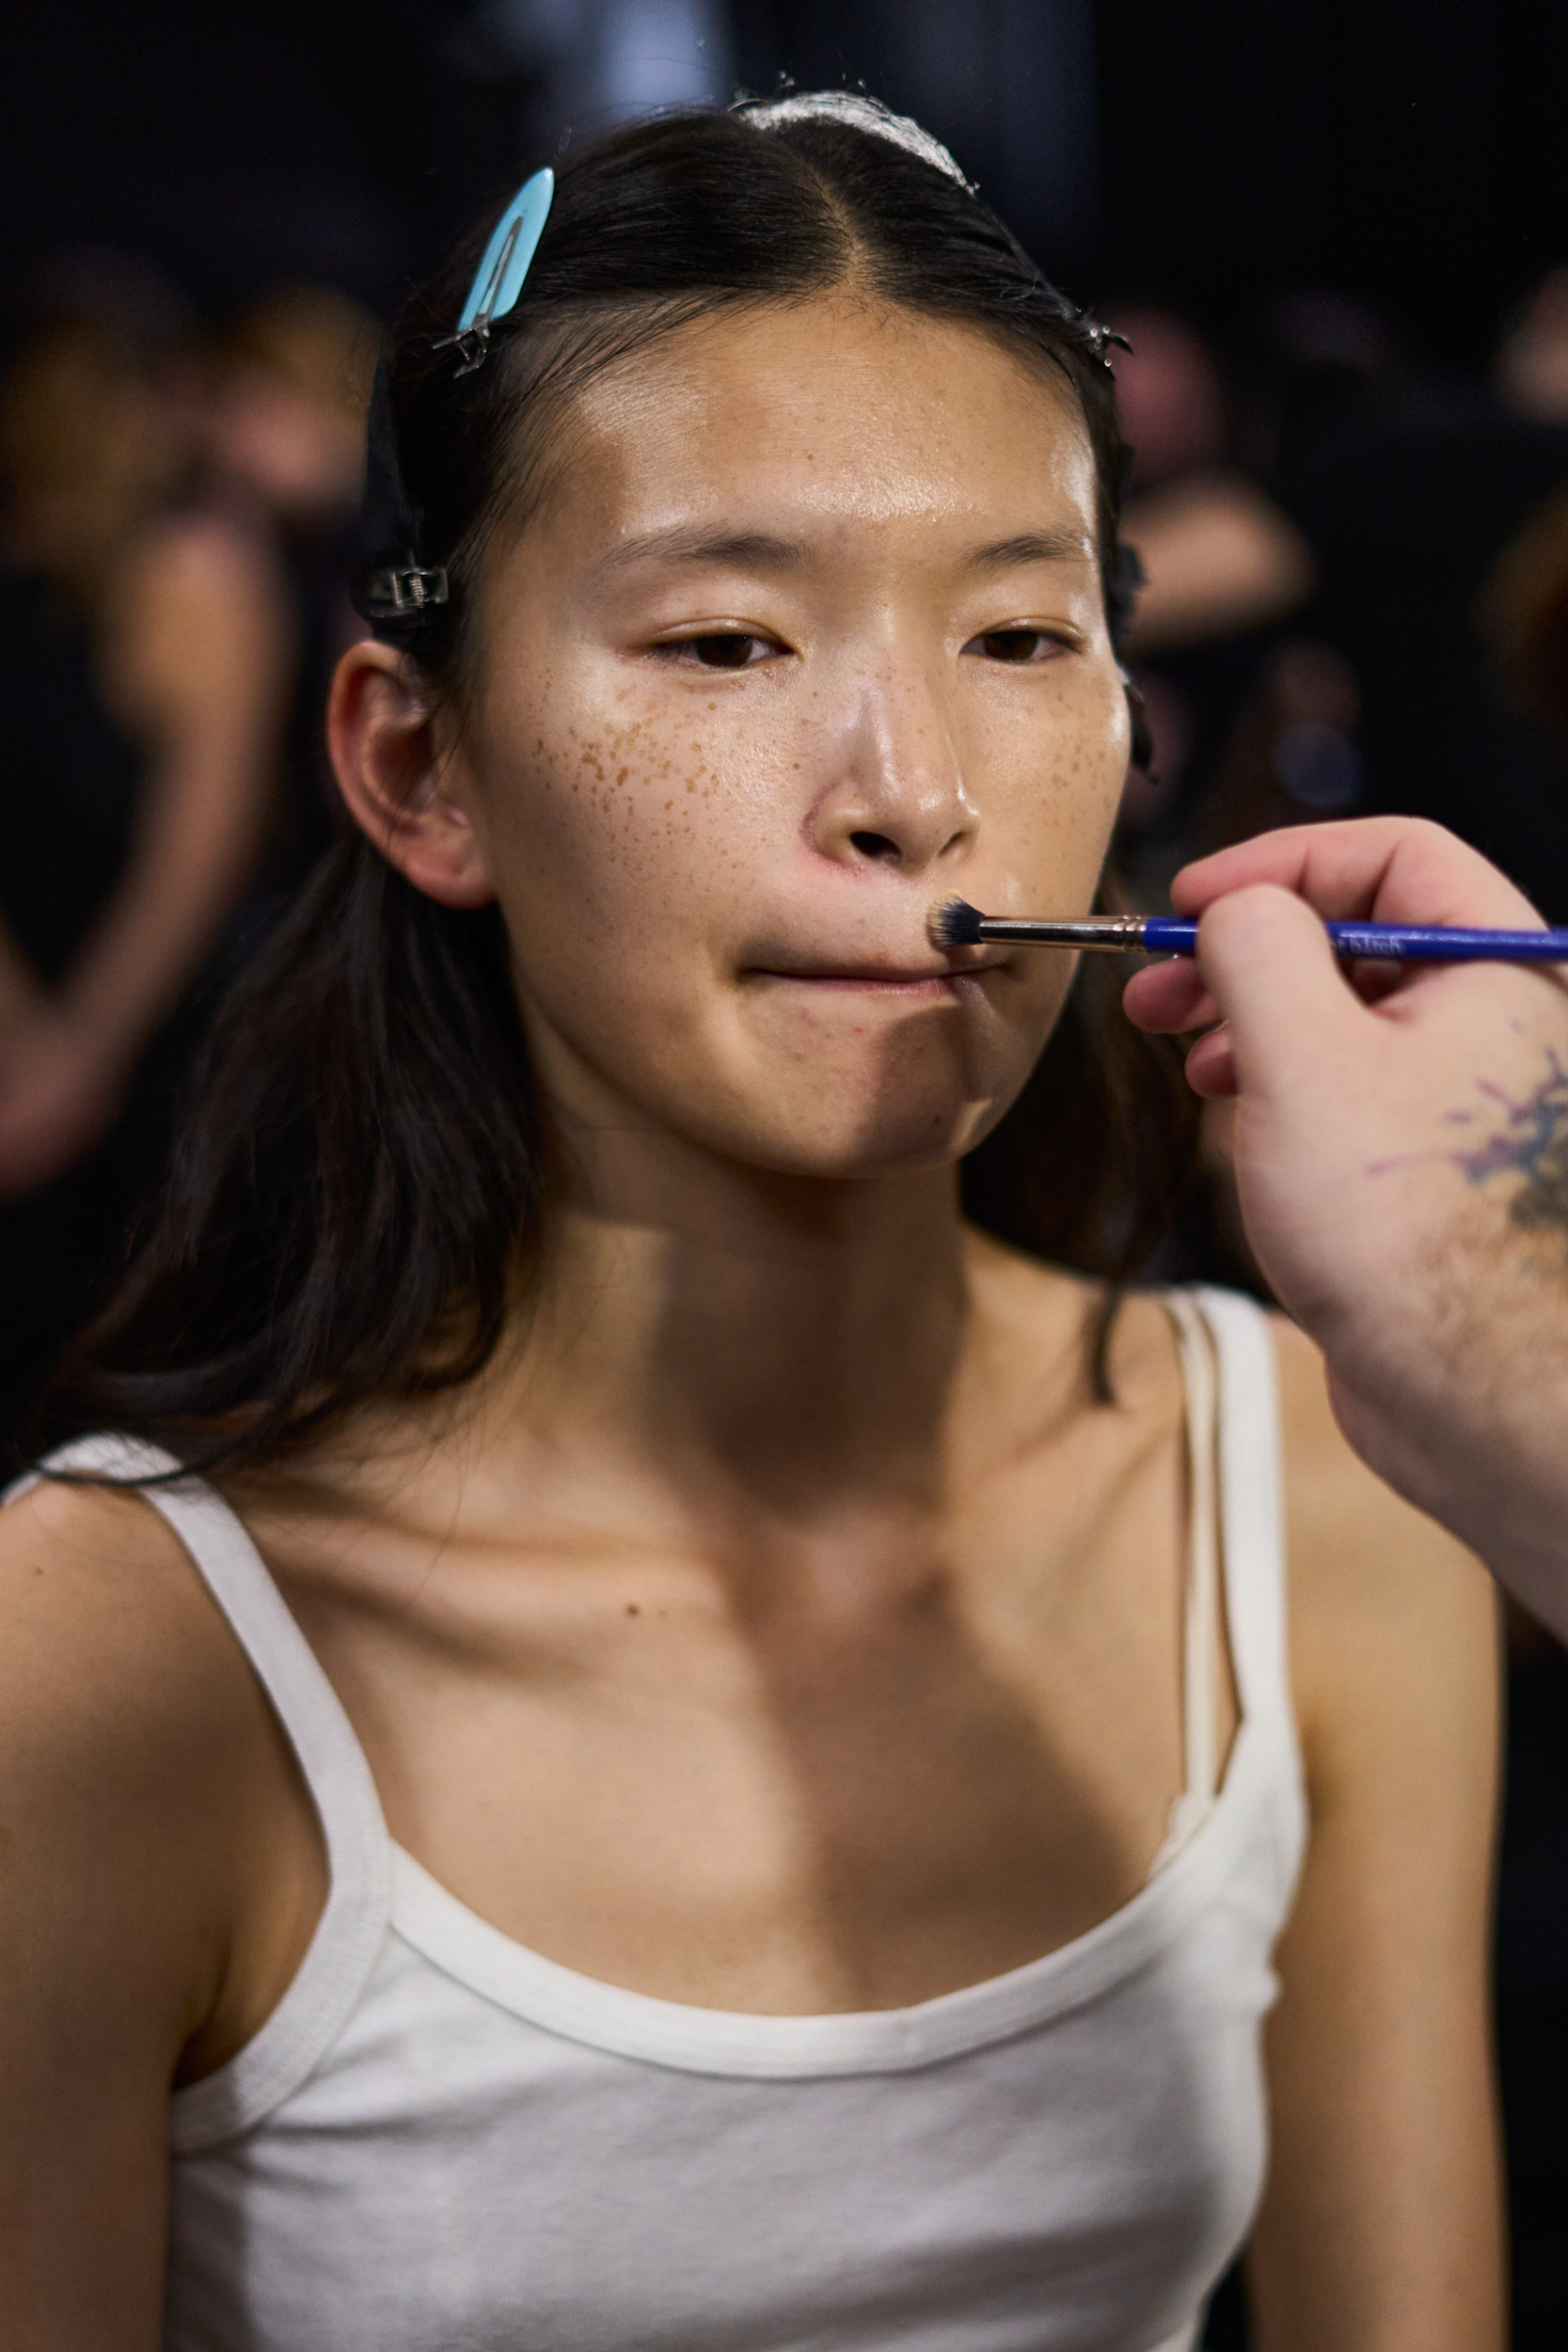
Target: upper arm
x=120, y=1692
x=1380, y=2227
x=1218, y=556
x=199, y=643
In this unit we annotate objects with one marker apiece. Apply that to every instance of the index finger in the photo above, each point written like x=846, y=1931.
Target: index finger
x=1386, y=869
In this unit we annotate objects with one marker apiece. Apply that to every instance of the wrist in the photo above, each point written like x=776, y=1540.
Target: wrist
x=96, y=1036
x=23, y=1003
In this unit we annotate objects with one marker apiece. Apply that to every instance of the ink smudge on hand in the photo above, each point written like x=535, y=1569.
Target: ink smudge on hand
x=1532, y=1144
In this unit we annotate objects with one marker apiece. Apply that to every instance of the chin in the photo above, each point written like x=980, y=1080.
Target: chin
x=906, y=1141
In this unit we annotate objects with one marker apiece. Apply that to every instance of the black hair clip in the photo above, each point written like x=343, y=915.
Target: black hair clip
x=392, y=585
x=390, y=594
x=1102, y=336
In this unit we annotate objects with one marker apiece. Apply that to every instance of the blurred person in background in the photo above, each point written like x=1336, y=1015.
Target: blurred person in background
x=1224, y=570
x=1223, y=566
x=1219, y=555
x=143, y=680
x=285, y=437
x=1533, y=359
x=1412, y=493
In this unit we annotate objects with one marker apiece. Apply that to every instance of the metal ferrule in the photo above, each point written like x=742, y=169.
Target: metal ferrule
x=1116, y=933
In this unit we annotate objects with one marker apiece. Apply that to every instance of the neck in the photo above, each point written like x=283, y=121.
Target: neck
x=791, y=1340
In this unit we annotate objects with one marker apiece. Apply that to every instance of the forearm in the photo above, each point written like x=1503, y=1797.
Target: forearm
x=21, y=994
x=201, y=655
x=186, y=870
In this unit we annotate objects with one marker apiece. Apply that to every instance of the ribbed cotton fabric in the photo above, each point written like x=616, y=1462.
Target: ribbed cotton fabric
x=443, y=2142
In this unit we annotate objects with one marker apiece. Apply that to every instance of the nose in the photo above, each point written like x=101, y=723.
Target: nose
x=894, y=794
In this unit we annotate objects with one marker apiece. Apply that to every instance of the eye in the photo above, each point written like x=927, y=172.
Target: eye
x=1017, y=645
x=723, y=650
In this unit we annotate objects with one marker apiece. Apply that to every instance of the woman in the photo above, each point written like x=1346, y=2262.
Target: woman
x=752, y=1799
x=144, y=672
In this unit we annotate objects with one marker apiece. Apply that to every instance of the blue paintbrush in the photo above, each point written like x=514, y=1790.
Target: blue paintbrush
x=953, y=924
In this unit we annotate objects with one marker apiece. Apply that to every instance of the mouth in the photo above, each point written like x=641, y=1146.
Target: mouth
x=933, y=983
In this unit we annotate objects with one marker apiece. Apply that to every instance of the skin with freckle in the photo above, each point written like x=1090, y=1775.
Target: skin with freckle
x=696, y=1004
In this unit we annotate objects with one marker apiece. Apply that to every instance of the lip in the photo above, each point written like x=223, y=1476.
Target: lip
x=906, y=981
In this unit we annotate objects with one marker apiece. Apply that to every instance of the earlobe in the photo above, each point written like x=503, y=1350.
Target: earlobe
x=394, y=759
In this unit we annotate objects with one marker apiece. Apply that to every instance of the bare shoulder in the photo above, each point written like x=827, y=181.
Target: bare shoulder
x=104, y=1625
x=130, y=1729
x=1390, y=1617
x=131, y=1738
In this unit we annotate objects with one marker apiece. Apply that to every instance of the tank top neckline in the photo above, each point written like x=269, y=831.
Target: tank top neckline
x=375, y=1886
x=695, y=2039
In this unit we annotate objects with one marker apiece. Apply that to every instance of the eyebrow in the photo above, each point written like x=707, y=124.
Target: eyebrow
x=1030, y=547
x=757, y=550
x=760, y=551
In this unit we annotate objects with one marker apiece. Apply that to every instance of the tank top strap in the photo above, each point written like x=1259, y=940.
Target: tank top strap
x=1251, y=1504
x=349, y=1934
x=1202, y=1610
x=1236, y=1561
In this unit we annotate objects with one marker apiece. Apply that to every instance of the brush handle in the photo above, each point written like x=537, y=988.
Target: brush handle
x=1394, y=942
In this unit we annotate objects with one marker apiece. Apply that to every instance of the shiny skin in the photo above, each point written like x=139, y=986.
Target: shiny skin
x=717, y=878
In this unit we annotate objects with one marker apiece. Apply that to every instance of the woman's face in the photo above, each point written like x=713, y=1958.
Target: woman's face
x=807, y=636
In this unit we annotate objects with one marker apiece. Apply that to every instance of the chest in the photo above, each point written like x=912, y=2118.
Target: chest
x=852, y=1770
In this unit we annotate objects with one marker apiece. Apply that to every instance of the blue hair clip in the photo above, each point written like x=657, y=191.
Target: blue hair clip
x=498, y=279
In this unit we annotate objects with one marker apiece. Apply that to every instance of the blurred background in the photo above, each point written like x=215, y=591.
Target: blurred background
x=1335, y=232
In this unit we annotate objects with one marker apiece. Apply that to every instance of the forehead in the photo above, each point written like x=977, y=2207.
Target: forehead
x=839, y=409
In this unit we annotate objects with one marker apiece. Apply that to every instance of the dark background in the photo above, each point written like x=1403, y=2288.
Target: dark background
x=1206, y=153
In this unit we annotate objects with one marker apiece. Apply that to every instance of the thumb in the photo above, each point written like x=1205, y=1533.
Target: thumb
x=1268, y=964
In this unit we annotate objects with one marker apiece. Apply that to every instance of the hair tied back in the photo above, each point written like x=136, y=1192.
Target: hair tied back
x=860, y=113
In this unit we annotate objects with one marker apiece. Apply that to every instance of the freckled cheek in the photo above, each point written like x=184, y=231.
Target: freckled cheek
x=1051, y=793
x=637, y=825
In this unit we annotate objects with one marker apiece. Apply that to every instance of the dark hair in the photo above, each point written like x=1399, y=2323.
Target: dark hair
x=360, y=1191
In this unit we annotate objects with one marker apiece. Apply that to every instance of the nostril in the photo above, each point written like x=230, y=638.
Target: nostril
x=874, y=845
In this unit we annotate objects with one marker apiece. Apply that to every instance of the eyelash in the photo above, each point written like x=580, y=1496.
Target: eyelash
x=719, y=637
x=988, y=644
x=991, y=638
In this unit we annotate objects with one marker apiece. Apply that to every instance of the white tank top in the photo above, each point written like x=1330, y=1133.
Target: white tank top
x=440, y=2141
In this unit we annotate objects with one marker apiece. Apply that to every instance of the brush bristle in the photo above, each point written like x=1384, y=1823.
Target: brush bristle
x=954, y=924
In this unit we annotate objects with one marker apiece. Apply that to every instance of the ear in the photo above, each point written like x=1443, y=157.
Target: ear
x=394, y=755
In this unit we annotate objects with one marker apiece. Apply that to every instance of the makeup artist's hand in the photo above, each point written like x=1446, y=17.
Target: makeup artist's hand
x=1402, y=1159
